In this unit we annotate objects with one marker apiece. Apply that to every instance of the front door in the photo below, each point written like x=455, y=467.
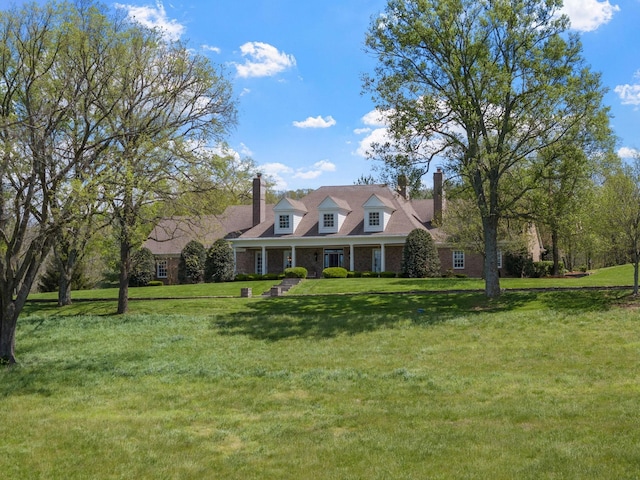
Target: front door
x=333, y=258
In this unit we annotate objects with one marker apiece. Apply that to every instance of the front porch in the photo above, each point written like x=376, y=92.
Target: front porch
x=371, y=257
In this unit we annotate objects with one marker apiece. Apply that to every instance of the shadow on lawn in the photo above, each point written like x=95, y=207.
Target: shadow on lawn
x=326, y=316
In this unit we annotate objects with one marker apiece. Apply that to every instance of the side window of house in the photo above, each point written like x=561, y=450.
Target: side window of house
x=328, y=220
x=161, y=269
x=499, y=258
x=283, y=221
x=458, y=259
x=374, y=219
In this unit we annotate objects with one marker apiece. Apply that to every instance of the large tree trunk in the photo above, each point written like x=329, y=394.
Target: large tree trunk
x=8, y=322
x=66, y=264
x=64, y=290
x=636, y=265
x=491, y=276
x=125, y=269
x=555, y=252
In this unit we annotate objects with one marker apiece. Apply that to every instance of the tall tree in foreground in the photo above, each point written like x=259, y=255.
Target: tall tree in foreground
x=485, y=85
x=172, y=104
x=45, y=140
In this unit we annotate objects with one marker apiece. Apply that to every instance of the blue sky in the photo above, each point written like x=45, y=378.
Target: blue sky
x=296, y=67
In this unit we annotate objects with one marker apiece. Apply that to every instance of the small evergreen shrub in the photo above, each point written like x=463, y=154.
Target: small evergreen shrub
x=367, y=274
x=420, y=257
x=219, y=264
x=143, y=268
x=542, y=269
x=387, y=274
x=191, y=266
x=295, y=272
x=155, y=283
x=334, y=272
x=519, y=264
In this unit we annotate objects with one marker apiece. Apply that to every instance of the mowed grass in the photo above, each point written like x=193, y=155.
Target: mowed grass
x=400, y=386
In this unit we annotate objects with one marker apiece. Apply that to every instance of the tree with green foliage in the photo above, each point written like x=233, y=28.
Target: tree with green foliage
x=192, y=263
x=173, y=105
x=143, y=267
x=52, y=76
x=620, y=212
x=219, y=266
x=484, y=86
x=420, y=256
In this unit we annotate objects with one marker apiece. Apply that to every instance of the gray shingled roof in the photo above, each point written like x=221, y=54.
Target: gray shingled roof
x=403, y=220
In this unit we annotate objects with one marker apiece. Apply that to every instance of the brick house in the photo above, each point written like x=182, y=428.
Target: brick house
x=358, y=227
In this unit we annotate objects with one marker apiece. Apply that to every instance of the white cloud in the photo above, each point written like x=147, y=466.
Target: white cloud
x=629, y=94
x=154, y=17
x=360, y=131
x=317, y=122
x=588, y=15
x=277, y=172
x=626, y=152
x=210, y=48
x=375, y=118
x=378, y=136
x=263, y=60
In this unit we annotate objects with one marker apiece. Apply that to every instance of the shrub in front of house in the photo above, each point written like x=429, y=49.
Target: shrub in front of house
x=155, y=283
x=420, y=256
x=387, y=274
x=519, y=264
x=191, y=266
x=334, y=272
x=219, y=262
x=295, y=272
x=542, y=269
x=143, y=268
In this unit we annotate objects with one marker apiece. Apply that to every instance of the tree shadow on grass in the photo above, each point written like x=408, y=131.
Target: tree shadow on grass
x=327, y=316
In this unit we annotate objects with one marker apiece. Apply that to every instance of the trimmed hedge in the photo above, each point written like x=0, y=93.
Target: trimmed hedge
x=334, y=272
x=295, y=272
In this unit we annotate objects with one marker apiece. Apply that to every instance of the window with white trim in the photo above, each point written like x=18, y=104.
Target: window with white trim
x=328, y=220
x=458, y=259
x=258, y=263
x=374, y=219
x=162, y=269
x=499, y=258
x=284, y=222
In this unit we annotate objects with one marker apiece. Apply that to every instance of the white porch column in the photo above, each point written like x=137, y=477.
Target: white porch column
x=264, y=260
x=382, y=259
x=352, y=260
x=293, y=255
x=235, y=260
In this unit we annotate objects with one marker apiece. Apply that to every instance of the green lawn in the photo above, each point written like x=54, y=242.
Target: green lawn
x=534, y=385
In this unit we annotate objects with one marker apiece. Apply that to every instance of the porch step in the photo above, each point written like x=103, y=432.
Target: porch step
x=282, y=288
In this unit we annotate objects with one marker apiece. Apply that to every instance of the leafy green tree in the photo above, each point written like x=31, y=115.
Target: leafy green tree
x=420, y=256
x=620, y=212
x=143, y=267
x=51, y=78
x=192, y=263
x=484, y=85
x=219, y=264
x=172, y=106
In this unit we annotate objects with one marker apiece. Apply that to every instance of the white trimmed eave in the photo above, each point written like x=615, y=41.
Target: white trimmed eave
x=323, y=241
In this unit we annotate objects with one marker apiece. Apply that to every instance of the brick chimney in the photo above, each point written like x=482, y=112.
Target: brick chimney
x=402, y=185
x=438, y=195
x=259, y=200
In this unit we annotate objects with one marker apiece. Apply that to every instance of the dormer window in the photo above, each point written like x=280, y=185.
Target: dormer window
x=288, y=214
x=284, y=222
x=377, y=213
x=331, y=214
x=328, y=220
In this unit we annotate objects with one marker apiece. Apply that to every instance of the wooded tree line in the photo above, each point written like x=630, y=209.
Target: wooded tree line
x=106, y=125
